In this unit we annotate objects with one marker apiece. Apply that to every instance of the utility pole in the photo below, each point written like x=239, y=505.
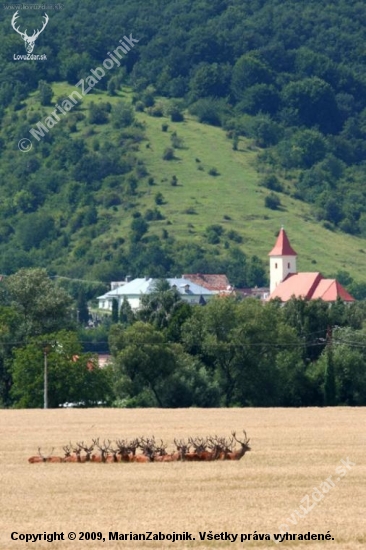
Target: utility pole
x=45, y=378
x=46, y=349
x=329, y=376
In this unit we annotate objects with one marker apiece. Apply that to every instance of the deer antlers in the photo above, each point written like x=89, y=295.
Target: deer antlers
x=242, y=443
x=124, y=450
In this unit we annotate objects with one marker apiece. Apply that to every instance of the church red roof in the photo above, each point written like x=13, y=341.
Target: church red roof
x=282, y=246
x=330, y=289
x=310, y=286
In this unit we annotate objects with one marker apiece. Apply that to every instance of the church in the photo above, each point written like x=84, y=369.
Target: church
x=286, y=282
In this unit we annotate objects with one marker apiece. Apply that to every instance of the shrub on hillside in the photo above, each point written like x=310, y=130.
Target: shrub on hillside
x=272, y=201
x=168, y=154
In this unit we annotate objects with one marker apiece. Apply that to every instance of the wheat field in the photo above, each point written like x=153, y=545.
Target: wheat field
x=294, y=452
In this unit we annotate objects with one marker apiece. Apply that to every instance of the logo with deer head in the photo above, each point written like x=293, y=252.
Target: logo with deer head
x=29, y=40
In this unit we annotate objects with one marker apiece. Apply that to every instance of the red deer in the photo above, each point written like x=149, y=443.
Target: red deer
x=114, y=456
x=200, y=447
x=124, y=450
x=41, y=458
x=88, y=452
x=103, y=449
x=183, y=451
x=133, y=445
x=160, y=452
x=237, y=455
x=223, y=448
x=68, y=456
x=37, y=458
x=148, y=451
x=77, y=453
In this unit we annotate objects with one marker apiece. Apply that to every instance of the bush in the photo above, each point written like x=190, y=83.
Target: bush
x=157, y=110
x=98, y=113
x=234, y=236
x=215, y=228
x=272, y=201
x=139, y=106
x=153, y=215
x=176, y=141
x=174, y=181
x=210, y=111
x=213, y=172
x=328, y=225
x=168, y=154
x=271, y=182
x=159, y=199
x=176, y=116
x=164, y=127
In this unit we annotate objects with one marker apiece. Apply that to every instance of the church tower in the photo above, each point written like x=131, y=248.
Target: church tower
x=282, y=260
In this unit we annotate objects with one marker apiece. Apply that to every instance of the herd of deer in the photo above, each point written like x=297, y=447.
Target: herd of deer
x=204, y=449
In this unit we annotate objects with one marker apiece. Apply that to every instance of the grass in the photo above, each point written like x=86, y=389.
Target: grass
x=233, y=198
x=293, y=451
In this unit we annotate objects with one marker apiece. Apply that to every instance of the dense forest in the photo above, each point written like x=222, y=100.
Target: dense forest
x=291, y=78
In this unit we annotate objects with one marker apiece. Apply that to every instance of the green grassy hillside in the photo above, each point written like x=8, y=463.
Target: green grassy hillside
x=57, y=214
x=232, y=199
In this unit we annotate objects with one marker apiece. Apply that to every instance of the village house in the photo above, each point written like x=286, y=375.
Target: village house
x=189, y=291
x=218, y=284
x=286, y=282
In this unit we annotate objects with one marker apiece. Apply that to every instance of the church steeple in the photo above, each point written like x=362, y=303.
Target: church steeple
x=282, y=260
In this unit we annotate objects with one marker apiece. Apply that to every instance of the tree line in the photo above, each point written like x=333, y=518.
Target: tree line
x=230, y=352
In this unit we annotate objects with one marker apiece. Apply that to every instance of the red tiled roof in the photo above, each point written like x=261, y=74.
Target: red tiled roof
x=301, y=285
x=282, y=246
x=211, y=282
x=330, y=289
x=310, y=286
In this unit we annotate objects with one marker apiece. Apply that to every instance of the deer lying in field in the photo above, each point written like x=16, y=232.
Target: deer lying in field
x=40, y=458
x=204, y=449
x=103, y=450
x=148, y=448
x=237, y=455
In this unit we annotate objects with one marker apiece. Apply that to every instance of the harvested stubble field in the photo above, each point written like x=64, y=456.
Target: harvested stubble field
x=293, y=451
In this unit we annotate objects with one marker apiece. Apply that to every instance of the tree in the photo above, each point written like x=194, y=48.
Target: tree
x=349, y=360
x=72, y=376
x=122, y=115
x=148, y=371
x=82, y=307
x=98, y=113
x=45, y=92
x=34, y=229
x=10, y=323
x=126, y=315
x=112, y=87
x=158, y=306
x=114, y=310
x=142, y=362
x=138, y=227
x=248, y=71
x=210, y=80
x=314, y=101
x=42, y=305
